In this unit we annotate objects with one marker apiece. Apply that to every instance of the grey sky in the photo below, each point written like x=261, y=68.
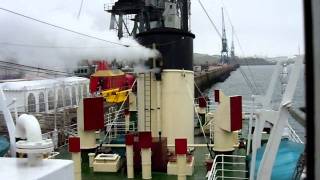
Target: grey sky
x=264, y=27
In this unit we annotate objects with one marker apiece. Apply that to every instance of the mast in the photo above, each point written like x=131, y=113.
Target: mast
x=224, y=51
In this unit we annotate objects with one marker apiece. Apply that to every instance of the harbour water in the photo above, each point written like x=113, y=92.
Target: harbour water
x=261, y=75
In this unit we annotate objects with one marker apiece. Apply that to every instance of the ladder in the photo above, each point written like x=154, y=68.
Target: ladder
x=147, y=101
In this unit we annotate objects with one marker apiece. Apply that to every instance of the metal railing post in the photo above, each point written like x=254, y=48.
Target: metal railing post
x=222, y=166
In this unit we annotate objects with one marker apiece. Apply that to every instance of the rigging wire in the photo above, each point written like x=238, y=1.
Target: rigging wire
x=62, y=28
x=211, y=21
x=19, y=71
x=199, y=120
x=52, y=46
x=247, y=80
x=108, y=130
x=81, y=47
x=258, y=90
x=36, y=68
x=80, y=9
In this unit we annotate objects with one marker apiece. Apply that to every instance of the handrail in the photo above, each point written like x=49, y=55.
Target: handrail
x=213, y=174
x=293, y=135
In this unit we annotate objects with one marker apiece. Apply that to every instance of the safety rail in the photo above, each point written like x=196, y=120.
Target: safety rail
x=71, y=130
x=293, y=136
x=113, y=116
x=68, y=130
x=53, y=155
x=224, y=169
x=120, y=128
x=246, y=104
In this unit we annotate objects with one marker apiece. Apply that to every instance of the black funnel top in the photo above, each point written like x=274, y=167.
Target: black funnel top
x=175, y=46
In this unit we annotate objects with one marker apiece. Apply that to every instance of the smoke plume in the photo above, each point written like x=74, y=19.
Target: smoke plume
x=36, y=44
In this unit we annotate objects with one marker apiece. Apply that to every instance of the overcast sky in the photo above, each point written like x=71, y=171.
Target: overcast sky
x=264, y=27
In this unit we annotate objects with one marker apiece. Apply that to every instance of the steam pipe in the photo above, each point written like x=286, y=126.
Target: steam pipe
x=185, y=15
x=159, y=107
x=28, y=128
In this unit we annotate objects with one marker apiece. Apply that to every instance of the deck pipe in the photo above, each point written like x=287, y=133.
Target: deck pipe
x=127, y=119
x=129, y=155
x=202, y=108
x=159, y=108
x=28, y=127
x=145, y=140
x=181, y=152
x=185, y=15
x=74, y=149
x=91, y=159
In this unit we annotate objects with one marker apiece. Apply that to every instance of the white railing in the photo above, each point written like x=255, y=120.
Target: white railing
x=68, y=130
x=71, y=130
x=119, y=128
x=224, y=168
x=113, y=116
x=293, y=136
x=52, y=155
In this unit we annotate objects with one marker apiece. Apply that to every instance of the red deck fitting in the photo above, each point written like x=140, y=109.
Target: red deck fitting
x=202, y=102
x=93, y=113
x=74, y=144
x=181, y=146
x=129, y=139
x=217, y=96
x=145, y=139
x=236, y=112
x=126, y=112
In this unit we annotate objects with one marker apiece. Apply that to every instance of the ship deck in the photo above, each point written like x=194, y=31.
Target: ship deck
x=200, y=154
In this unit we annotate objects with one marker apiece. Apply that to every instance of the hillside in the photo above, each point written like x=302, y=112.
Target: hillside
x=204, y=58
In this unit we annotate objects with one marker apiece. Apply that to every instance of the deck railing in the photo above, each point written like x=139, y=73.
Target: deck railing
x=228, y=167
x=293, y=136
x=119, y=128
x=68, y=130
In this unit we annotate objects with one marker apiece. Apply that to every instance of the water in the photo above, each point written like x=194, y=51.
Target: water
x=236, y=85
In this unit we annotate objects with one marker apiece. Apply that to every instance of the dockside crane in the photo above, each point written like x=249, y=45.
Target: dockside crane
x=232, y=51
x=224, y=59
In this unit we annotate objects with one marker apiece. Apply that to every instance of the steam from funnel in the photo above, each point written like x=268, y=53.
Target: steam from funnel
x=36, y=44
